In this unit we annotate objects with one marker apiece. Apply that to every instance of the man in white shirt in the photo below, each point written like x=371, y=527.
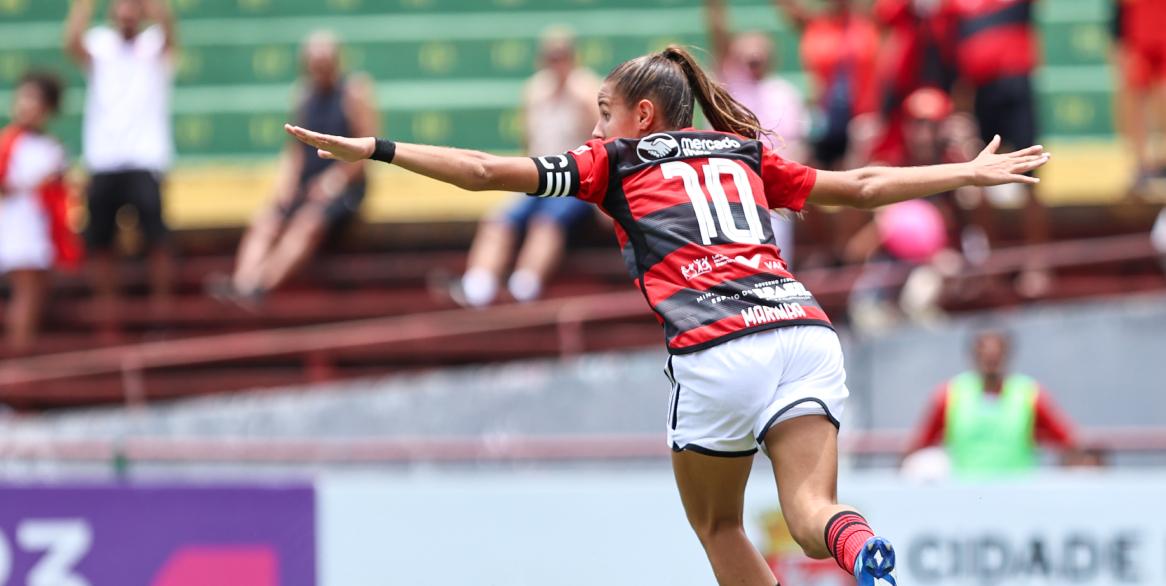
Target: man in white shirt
x=126, y=137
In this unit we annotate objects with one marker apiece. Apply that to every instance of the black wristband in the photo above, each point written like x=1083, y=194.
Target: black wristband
x=384, y=151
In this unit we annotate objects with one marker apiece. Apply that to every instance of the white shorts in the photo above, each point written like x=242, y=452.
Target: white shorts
x=24, y=234
x=724, y=399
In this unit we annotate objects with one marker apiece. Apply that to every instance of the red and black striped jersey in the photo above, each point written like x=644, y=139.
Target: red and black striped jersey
x=995, y=39
x=691, y=216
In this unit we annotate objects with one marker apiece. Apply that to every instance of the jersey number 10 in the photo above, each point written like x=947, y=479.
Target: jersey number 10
x=713, y=171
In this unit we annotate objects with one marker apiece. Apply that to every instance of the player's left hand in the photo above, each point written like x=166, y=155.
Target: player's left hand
x=992, y=168
x=329, y=146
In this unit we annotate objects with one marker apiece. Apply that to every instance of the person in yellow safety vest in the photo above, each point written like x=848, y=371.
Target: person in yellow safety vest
x=989, y=420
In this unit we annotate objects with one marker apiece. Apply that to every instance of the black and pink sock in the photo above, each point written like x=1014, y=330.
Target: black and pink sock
x=846, y=533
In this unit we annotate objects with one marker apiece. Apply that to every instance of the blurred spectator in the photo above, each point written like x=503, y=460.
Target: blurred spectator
x=912, y=233
x=918, y=51
x=990, y=420
x=313, y=198
x=1141, y=50
x=920, y=232
x=931, y=132
x=126, y=139
x=839, y=49
x=559, y=112
x=997, y=51
x=34, y=230
x=744, y=63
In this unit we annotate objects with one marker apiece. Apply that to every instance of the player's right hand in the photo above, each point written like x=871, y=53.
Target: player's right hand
x=992, y=168
x=328, y=146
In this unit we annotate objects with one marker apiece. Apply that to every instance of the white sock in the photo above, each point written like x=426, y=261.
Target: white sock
x=480, y=287
x=524, y=286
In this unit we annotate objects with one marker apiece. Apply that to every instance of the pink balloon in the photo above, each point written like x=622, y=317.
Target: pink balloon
x=912, y=230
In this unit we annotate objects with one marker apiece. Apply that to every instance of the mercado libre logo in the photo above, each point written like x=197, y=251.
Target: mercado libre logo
x=787, y=561
x=657, y=146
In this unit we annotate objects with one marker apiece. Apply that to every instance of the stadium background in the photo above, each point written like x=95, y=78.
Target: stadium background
x=450, y=72
x=522, y=445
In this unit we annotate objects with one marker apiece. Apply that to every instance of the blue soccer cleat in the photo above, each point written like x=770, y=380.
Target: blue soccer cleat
x=875, y=563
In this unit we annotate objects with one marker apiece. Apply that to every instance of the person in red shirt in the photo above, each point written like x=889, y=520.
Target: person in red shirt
x=917, y=52
x=839, y=49
x=753, y=360
x=932, y=131
x=991, y=353
x=996, y=53
x=1142, y=42
x=927, y=234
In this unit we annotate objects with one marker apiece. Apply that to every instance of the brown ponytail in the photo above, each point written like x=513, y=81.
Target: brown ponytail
x=672, y=79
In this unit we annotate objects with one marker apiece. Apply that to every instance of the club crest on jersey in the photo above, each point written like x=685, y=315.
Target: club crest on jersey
x=657, y=146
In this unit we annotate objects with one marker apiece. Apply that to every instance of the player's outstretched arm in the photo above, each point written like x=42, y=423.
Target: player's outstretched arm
x=871, y=187
x=471, y=170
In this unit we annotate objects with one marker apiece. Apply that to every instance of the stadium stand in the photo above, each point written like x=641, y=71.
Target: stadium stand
x=450, y=71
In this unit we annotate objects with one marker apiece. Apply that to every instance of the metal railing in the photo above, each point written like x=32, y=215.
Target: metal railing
x=18, y=377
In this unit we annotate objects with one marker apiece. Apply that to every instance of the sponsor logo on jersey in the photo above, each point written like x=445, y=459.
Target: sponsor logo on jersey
x=695, y=147
x=773, y=265
x=752, y=261
x=788, y=291
x=657, y=146
x=763, y=314
x=664, y=146
x=705, y=265
x=696, y=268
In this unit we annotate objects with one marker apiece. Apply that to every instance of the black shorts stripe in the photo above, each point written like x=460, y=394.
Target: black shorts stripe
x=773, y=420
x=674, y=403
x=707, y=452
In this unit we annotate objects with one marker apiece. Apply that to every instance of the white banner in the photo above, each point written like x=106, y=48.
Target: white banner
x=589, y=527
x=1090, y=528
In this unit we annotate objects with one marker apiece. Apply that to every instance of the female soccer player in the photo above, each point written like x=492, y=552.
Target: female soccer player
x=754, y=361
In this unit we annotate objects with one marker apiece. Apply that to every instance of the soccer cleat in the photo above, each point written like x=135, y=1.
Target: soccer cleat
x=875, y=563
